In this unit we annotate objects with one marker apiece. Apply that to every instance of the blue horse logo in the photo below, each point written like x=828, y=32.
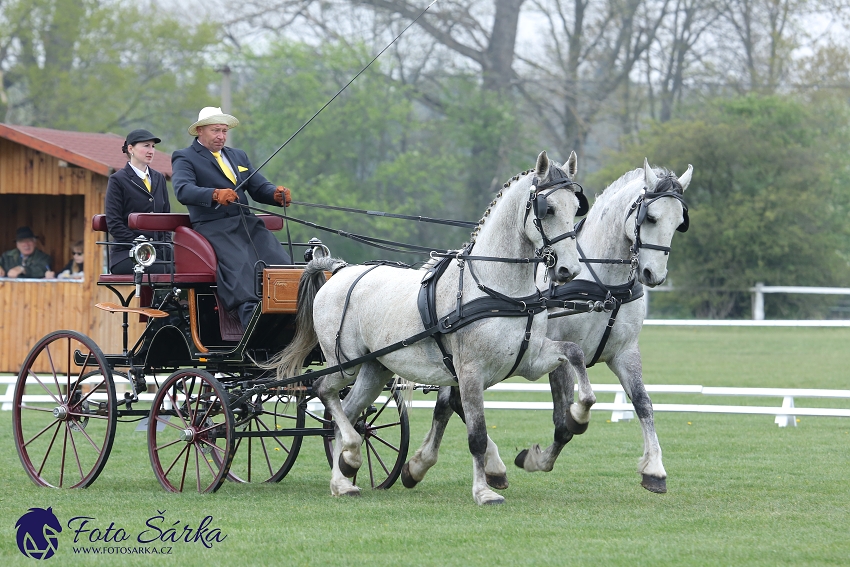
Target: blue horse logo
x=38, y=533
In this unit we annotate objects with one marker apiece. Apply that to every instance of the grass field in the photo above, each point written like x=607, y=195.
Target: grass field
x=742, y=491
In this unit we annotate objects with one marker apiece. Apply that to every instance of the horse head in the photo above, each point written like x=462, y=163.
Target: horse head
x=659, y=213
x=554, y=201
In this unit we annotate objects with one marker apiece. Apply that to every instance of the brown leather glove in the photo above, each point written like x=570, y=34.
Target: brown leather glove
x=225, y=196
x=281, y=195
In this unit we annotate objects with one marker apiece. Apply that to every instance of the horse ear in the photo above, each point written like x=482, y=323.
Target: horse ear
x=685, y=180
x=571, y=165
x=542, y=168
x=649, y=176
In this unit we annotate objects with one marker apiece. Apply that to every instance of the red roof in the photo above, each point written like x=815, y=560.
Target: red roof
x=100, y=153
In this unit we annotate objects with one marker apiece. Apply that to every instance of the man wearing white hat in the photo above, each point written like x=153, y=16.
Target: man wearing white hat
x=206, y=178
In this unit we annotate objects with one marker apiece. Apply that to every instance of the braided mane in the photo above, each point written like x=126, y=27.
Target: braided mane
x=474, y=234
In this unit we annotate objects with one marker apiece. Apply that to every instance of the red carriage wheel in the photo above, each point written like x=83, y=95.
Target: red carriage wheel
x=190, y=432
x=64, y=411
x=262, y=458
x=386, y=437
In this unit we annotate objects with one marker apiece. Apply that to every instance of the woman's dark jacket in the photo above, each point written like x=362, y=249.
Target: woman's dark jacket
x=126, y=193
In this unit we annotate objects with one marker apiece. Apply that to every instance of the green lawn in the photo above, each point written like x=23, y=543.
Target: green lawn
x=741, y=490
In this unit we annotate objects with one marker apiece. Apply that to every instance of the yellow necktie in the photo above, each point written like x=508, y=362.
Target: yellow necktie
x=147, y=183
x=224, y=168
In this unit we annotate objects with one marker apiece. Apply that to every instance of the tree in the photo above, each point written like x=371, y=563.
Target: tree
x=373, y=148
x=768, y=201
x=88, y=65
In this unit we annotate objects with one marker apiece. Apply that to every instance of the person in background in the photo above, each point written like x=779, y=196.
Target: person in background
x=136, y=189
x=208, y=178
x=74, y=269
x=25, y=260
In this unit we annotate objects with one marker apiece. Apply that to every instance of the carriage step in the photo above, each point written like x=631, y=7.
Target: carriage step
x=115, y=308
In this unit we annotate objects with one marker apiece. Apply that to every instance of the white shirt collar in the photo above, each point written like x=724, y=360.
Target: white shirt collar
x=142, y=174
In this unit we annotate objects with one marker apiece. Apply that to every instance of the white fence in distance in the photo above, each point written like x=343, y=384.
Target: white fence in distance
x=760, y=289
x=620, y=408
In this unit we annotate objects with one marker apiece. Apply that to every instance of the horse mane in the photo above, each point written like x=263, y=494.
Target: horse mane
x=474, y=234
x=667, y=182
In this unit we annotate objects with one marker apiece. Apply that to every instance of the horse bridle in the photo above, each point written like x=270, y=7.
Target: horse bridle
x=537, y=202
x=641, y=205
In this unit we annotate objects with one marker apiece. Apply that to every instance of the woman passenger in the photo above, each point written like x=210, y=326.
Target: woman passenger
x=136, y=189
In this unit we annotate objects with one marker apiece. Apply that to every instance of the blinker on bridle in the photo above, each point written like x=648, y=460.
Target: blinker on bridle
x=641, y=205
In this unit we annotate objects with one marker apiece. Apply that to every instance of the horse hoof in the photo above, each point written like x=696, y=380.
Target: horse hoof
x=575, y=427
x=493, y=501
x=406, y=478
x=654, y=484
x=347, y=470
x=497, y=481
x=520, y=459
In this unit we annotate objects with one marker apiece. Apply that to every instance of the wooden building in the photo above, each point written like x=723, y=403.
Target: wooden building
x=54, y=182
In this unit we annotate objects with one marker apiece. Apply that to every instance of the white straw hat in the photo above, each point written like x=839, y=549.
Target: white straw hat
x=212, y=115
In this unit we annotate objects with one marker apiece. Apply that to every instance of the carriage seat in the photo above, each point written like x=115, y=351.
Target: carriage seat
x=194, y=257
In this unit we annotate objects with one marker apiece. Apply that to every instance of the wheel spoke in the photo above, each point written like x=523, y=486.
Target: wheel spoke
x=83, y=431
x=388, y=444
x=34, y=408
x=176, y=407
x=82, y=369
x=169, y=424
x=84, y=398
x=76, y=453
x=174, y=462
x=371, y=449
x=49, y=447
x=380, y=411
x=275, y=439
x=198, y=467
x=37, y=435
x=169, y=444
x=384, y=426
x=58, y=389
x=62, y=463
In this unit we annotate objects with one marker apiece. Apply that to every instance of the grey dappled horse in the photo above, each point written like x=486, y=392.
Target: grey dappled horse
x=642, y=203
x=363, y=309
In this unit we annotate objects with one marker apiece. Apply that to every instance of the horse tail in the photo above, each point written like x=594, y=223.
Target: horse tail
x=290, y=361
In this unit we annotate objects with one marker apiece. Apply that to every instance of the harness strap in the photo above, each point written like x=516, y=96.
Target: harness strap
x=523, y=346
x=605, y=335
x=338, y=348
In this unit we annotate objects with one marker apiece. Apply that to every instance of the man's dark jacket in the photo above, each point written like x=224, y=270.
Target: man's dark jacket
x=195, y=175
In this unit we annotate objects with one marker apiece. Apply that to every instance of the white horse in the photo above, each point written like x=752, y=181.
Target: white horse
x=364, y=309
x=630, y=228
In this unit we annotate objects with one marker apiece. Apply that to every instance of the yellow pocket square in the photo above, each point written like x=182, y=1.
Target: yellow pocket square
x=241, y=169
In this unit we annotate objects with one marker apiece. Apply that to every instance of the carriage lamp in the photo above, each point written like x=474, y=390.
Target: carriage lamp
x=143, y=254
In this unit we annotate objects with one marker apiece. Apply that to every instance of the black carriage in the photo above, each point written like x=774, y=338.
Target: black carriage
x=195, y=377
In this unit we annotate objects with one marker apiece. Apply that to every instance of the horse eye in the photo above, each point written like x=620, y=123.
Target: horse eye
x=550, y=211
x=651, y=220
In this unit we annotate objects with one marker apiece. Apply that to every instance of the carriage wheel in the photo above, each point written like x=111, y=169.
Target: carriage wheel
x=386, y=437
x=64, y=412
x=190, y=432
x=267, y=459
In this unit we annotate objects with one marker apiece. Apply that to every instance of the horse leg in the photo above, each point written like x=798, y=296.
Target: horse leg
x=414, y=470
x=569, y=418
x=448, y=402
x=472, y=397
x=494, y=468
x=628, y=368
x=347, y=458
